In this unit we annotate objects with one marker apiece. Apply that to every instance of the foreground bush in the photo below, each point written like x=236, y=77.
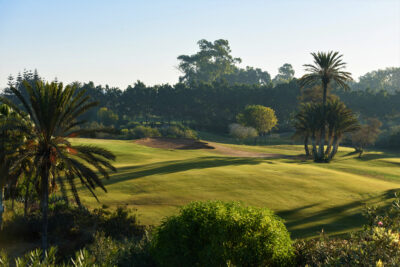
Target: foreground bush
x=71, y=228
x=219, y=234
x=377, y=244
x=365, y=248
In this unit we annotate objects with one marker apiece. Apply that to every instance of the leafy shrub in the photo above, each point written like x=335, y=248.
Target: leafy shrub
x=377, y=243
x=128, y=252
x=216, y=233
x=72, y=228
x=120, y=223
x=242, y=132
x=365, y=248
x=143, y=131
x=178, y=131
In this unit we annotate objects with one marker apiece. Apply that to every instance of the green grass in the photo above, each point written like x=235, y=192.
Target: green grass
x=309, y=196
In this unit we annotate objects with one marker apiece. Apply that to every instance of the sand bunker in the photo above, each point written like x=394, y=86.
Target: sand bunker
x=173, y=143
x=182, y=143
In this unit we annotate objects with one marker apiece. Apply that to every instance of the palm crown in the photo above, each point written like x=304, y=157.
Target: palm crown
x=327, y=67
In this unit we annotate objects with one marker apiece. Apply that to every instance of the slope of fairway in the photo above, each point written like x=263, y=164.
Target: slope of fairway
x=308, y=196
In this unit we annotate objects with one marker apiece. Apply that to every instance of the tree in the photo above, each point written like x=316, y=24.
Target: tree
x=10, y=147
x=366, y=135
x=340, y=120
x=249, y=75
x=209, y=64
x=308, y=124
x=261, y=118
x=379, y=80
x=107, y=117
x=327, y=68
x=285, y=74
x=335, y=117
x=54, y=113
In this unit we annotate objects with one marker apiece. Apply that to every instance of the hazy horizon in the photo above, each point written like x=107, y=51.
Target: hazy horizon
x=119, y=42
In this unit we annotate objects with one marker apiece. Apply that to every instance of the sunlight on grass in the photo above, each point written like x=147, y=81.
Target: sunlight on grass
x=307, y=195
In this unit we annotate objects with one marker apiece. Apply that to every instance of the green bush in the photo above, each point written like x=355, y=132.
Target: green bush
x=143, y=131
x=217, y=233
x=178, y=131
x=365, y=248
x=377, y=243
x=71, y=228
x=127, y=252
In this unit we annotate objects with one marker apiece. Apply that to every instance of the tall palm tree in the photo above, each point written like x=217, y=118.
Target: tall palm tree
x=54, y=113
x=328, y=67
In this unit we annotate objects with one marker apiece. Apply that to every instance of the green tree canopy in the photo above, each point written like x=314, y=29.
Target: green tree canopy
x=387, y=79
x=107, y=116
x=212, y=62
x=261, y=118
x=285, y=74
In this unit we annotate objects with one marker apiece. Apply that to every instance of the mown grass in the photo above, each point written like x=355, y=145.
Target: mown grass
x=309, y=196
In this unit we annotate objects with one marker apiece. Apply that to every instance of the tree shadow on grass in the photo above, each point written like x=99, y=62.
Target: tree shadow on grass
x=168, y=167
x=375, y=156
x=345, y=219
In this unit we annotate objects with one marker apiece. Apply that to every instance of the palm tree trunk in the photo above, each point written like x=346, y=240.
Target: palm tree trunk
x=322, y=138
x=314, y=146
x=26, y=199
x=329, y=144
x=45, y=203
x=306, y=146
x=335, y=147
x=1, y=206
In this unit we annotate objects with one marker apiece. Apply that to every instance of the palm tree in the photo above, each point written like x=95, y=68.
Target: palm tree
x=308, y=124
x=340, y=120
x=10, y=144
x=327, y=67
x=54, y=112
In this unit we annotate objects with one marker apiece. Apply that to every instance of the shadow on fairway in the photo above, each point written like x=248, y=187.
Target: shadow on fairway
x=345, y=218
x=167, y=167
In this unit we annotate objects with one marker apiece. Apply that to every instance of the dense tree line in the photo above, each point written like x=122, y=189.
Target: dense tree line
x=213, y=89
x=213, y=106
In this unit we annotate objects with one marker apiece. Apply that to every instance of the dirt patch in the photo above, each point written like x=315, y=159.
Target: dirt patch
x=175, y=143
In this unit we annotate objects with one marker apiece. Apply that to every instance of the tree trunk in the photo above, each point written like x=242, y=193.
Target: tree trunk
x=306, y=146
x=314, y=146
x=322, y=138
x=335, y=147
x=45, y=204
x=26, y=200
x=329, y=144
x=1, y=207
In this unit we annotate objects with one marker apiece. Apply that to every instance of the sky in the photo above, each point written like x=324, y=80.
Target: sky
x=118, y=42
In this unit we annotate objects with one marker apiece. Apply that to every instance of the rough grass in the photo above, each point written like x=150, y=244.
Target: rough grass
x=309, y=196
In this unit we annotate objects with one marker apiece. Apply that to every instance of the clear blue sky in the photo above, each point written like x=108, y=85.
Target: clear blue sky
x=117, y=42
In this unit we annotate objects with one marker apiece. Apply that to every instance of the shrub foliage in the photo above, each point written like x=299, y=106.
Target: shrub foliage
x=217, y=233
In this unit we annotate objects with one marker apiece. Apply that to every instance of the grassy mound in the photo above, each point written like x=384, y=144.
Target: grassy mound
x=309, y=196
